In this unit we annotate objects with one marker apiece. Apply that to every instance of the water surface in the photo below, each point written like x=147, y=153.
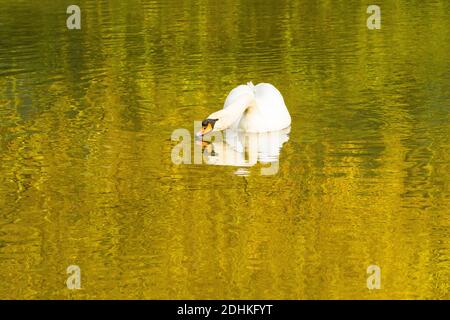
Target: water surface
x=86, y=176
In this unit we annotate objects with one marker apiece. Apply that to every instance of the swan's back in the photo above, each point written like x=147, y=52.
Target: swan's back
x=237, y=92
x=269, y=112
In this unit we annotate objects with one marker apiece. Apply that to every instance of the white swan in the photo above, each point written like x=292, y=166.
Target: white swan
x=250, y=108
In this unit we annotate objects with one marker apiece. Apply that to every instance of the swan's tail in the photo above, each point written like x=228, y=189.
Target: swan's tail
x=251, y=85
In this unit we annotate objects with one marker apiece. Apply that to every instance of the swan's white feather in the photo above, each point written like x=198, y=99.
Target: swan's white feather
x=266, y=111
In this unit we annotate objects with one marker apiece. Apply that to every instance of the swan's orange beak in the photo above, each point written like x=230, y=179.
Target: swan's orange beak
x=204, y=130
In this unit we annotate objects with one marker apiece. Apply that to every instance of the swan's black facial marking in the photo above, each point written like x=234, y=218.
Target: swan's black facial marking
x=209, y=121
x=207, y=125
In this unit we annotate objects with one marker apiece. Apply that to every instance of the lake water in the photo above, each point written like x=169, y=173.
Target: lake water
x=86, y=176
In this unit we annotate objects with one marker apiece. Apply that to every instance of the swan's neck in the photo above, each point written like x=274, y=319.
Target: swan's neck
x=233, y=112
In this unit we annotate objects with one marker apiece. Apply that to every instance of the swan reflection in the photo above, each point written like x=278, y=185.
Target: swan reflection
x=244, y=149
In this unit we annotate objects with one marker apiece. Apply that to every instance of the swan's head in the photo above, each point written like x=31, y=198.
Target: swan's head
x=207, y=126
x=216, y=121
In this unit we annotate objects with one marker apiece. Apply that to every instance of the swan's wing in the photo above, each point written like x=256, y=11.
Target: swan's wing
x=271, y=107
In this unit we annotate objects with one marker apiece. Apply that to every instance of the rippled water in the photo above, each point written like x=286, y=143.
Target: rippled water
x=86, y=118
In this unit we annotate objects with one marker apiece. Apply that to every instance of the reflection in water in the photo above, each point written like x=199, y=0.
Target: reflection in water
x=244, y=149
